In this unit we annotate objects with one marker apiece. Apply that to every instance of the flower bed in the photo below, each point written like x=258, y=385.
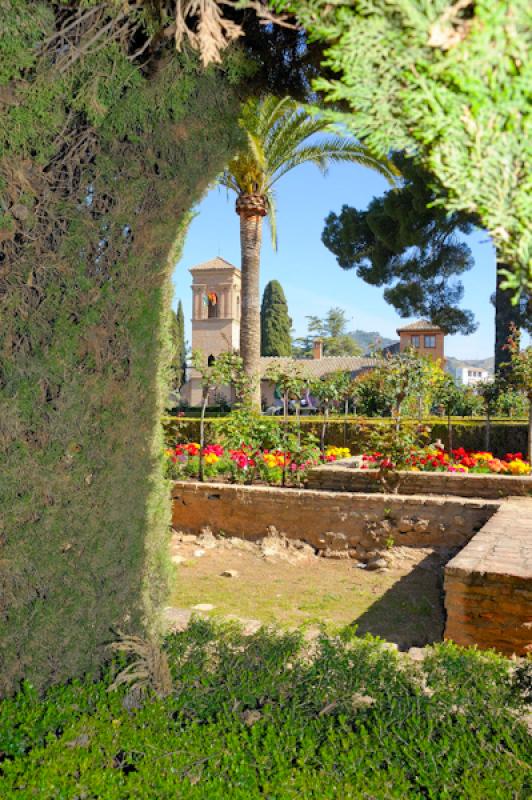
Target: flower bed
x=247, y=464
x=436, y=459
x=275, y=467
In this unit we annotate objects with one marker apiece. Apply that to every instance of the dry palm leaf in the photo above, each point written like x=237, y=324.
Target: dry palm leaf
x=149, y=670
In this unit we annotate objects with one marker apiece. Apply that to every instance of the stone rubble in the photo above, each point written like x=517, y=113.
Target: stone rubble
x=276, y=546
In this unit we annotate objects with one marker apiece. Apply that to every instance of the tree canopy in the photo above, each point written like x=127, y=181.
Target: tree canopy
x=275, y=339
x=405, y=243
x=280, y=134
x=332, y=330
x=448, y=82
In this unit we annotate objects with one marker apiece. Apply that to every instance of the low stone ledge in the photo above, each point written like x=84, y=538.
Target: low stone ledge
x=328, y=520
x=345, y=476
x=488, y=585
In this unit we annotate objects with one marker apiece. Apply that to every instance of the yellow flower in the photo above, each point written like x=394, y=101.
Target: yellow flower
x=482, y=456
x=518, y=467
x=211, y=458
x=338, y=452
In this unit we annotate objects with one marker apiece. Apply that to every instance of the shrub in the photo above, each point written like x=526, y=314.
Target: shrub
x=259, y=717
x=355, y=432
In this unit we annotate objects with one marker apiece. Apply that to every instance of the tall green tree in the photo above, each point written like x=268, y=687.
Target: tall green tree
x=449, y=81
x=408, y=243
x=403, y=242
x=520, y=376
x=179, y=348
x=332, y=331
x=279, y=135
x=275, y=323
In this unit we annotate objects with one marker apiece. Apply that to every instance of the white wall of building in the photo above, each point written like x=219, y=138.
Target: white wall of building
x=470, y=376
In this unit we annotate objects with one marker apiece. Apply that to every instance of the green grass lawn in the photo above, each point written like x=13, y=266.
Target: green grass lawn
x=260, y=717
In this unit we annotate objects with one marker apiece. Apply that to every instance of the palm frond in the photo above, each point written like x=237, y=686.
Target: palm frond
x=281, y=135
x=296, y=129
x=336, y=150
x=272, y=216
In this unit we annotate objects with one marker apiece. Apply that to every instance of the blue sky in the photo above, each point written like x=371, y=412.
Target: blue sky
x=311, y=278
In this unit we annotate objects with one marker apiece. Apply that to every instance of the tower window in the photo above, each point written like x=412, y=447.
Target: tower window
x=213, y=307
x=415, y=341
x=211, y=360
x=430, y=341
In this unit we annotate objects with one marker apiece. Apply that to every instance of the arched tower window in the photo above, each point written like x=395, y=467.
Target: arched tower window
x=211, y=360
x=213, y=307
x=238, y=306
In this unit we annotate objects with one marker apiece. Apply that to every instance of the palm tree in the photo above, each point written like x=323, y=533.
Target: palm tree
x=279, y=135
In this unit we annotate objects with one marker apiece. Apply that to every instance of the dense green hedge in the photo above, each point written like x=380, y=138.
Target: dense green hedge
x=99, y=166
x=255, y=717
x=505, y=435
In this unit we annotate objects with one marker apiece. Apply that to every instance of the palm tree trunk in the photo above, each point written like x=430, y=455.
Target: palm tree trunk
x=250, y=244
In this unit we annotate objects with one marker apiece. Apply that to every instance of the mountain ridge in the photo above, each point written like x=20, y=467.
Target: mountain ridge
x=368, y=339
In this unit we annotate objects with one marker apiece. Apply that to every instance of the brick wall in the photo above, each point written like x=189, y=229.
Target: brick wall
x=344, y=478
x=488, y=585
x=328, y=520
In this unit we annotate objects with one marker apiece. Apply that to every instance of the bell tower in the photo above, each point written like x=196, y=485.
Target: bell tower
x=215, y=307
x=216, y=288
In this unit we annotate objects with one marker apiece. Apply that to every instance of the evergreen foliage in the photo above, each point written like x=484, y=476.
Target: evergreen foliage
x=332, y=331
x=404, y=242
x=100, y=162
x=276, y=325
x=178, y=363
x=449, y=82
x=267, y=715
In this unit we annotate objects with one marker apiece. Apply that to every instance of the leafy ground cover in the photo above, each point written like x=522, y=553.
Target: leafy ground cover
x=270, y=716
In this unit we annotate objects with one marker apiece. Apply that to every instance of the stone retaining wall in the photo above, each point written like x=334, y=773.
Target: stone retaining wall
x=343, y=476
x=488, y=585
x=329, y=521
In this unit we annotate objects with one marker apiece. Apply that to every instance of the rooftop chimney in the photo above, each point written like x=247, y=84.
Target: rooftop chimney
x=317, y=349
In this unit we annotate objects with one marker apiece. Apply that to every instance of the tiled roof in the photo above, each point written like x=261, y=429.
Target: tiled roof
x=214, y=263
x=318, y=367
x=419, y=325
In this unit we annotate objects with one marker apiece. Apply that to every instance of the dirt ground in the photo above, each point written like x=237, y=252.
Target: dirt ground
x=274, y=581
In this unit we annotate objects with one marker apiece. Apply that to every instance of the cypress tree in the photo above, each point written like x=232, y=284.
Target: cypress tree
x=179, y=347
x=275, y=324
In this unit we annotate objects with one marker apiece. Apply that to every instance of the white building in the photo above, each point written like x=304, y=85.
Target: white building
x=470, y=376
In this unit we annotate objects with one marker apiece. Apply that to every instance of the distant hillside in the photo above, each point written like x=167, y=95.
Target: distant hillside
x=453, y=364
x=367, y=339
